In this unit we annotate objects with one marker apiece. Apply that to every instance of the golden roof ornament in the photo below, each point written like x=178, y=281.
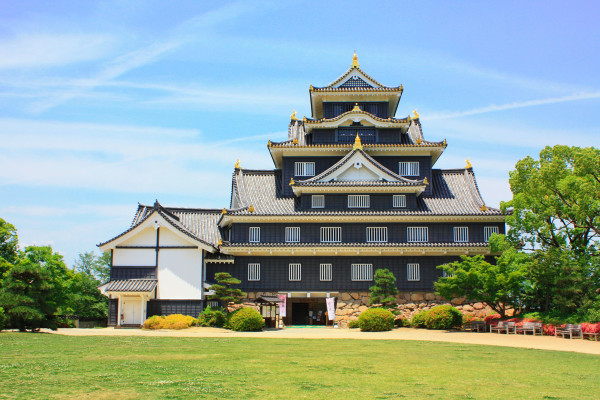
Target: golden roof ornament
x=419, y=141
x=355, y=63
x=357, y=143
x=484, y=208
x=425, y=181
x=468, y=166
x=224, y=211
x=237, y=164
x=356, y=107
x=269, y=144
x=293, y=116
x=220, y=242
x=416, y=114
x=291, y=181
x=251, y=208
x=295, y=141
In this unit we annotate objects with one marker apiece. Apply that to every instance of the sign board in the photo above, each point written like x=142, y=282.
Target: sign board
x=330, y=307
x=282, y=305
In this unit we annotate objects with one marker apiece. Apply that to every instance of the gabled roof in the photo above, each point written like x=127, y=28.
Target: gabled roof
x=131, y=285
x=197, y=223
x=356, y=79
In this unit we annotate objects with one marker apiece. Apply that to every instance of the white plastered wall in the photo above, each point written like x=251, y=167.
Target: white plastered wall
x=168, y=238
x=180, y=274
x=146, y=237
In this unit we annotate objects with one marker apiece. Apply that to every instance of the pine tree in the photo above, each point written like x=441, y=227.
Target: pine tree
x=385, y=291
x=223, y=288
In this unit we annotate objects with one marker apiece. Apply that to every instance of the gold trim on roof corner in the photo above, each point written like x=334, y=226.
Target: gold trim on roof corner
x=224, y=211
x=220, y=242
x=468, y=164
x=237, y=164
x=356, y=107
x=484, y=208
x=355, y=63
x=292, y=181
x=357, y=143
x=251, y=208
x=416, y=114
x=425, y=181
x=293, y=116
x=295, y=141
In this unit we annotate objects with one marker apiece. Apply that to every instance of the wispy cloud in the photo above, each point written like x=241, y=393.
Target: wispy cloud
x=512, y=106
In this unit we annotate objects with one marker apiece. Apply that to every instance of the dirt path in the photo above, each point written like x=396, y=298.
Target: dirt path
x=530, y=342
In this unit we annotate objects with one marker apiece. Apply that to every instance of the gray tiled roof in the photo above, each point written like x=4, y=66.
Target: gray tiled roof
x=353, y=244
x=454, y=192
x=131, y=285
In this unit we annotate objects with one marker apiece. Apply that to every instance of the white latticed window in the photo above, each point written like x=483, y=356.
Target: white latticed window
x=331, y=234
x=325, y=272
x=358, y=201
x=317, y=200
x=362, y=272
x=377, y=234
x=461, y=234
x=418, y=234
x=399, y=200
x=412, y=272
x=304, y=169
x=409, y=168
x=292, y=234
x=488, y=231
x=254, y=236
x=254, y=272
x=295, y=272
x=447, y=274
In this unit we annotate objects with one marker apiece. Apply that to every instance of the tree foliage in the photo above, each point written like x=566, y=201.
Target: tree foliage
x=499, y=286
x=96, y=266
x=9, y=246
x=223, y=288
x=384, y=291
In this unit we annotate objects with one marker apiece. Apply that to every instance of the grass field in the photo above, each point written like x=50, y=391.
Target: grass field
x=53, y=366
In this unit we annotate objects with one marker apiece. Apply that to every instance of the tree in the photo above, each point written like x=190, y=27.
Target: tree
x=93, y=265
x=223, y=288
x=9, y=246
x=384, y=291
x=499, y=286
x=26, y=297
x=84, y=299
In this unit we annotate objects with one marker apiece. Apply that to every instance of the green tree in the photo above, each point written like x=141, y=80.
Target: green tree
x=9, y=246
x=97, y=266
x=384, y=291
x=84, y=299
x=26, y=297
x=499, y=285
x=224, y=290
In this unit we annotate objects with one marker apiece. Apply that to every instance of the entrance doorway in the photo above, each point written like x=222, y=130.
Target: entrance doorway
x=299, y=313
x=131, y=310
x=307, y=311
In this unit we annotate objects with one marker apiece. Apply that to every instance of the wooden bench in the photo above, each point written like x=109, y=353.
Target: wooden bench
x=533, y=327
x=504, y=326
x=478, y=326
x=591, y=335
x=571, y=330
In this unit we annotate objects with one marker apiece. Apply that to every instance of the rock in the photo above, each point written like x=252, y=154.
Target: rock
x=468, y=307
x=345, y=296
x=422, y=304
x=364, y=299
x=354, y=296
x=429, y=296
x=363, y=308
x=341, y=304
x=401, y=301
x=458, y=300
x=411, y=306
x=417, y=297
x=479, y=306
x=251, y=295
x=439, y=298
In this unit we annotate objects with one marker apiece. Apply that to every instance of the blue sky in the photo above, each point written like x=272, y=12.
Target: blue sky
x=112, y=103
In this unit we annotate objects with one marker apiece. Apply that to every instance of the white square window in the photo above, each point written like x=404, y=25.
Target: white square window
x=254, y=235
x=408, y=168
x=317, y=201
x=412, y=272
x=377, y=234
x=304, y=169
x=358, y=201
x=399, y=201
x=331, y=234
x=461, y=234
x=295, y=272
x=292, y=234
x=417, y=234
x=488, y=231
x=254, y=272
x=362, y=272
x=325, y=272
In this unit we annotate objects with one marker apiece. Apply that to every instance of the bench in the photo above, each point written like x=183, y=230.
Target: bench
x=569, y=329
x=504, y=326
x=478, y=326
x=591, y=335
x=533, y=327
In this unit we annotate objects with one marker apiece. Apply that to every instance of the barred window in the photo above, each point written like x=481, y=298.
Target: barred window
x=295, y=272
x=325, y=272
x=358, y=201
x=318, y=201
x=292, y=234
x=447, y=274
x=254, y=272
x=377, y=234
x=418, y=234
x=488, y=231
x=331, y=234
x=461, y=234
x=212, y=303
x=304, y=169
x=362, y=272
x=409, y=168
x=254, y=236
x=399, y=200
x=412, y=272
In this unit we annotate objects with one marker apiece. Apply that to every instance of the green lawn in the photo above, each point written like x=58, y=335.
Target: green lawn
x=53, y=366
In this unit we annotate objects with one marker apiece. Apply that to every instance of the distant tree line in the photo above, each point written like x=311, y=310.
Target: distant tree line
x=36, y=286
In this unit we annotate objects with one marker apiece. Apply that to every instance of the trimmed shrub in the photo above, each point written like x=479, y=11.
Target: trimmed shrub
x=590, y=328
x=2, y=318
x=376, y=320
x=246, y=319
x=443, y=317
x=173, y=321
x=154, y=322
x=212, y=317
x=418, y=320
x=353, y=324
x=400, y=322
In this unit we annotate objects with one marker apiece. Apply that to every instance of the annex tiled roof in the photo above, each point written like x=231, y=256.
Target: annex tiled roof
x=364, y=86
x=198, y=223
x=453, y=192
x=355, y=244
x=131, y=285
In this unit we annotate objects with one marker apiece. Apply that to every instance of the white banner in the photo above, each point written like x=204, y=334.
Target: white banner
x=330, y=307
x=282, y=305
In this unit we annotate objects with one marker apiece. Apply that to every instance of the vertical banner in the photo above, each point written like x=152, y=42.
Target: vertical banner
x=330, y=308
x=282, y=305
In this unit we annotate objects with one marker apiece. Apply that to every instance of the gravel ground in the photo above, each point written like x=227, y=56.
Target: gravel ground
x=530, y=342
